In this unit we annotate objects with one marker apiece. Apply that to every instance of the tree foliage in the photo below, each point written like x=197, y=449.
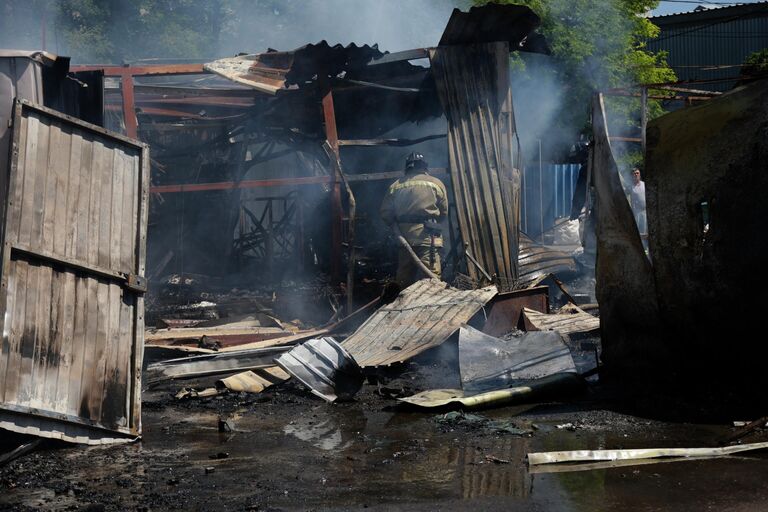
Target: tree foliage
x=597, y=45
x=756, y=63
x=116, y=30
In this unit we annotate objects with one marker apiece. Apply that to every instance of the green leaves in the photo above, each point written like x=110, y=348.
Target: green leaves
x=599, y=45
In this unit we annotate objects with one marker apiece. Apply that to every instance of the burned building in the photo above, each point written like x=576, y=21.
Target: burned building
x=246, y=184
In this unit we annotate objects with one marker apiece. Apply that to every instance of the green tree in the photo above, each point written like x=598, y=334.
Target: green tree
x=756, y=64
x=117, y=30
x=597, y=45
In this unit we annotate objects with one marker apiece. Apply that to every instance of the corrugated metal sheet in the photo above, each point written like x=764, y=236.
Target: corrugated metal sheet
x=423, y=316
x=73, y=251
x=697, y=42
x=536, y=260
x=274, y=71
x=473, y=84
x=569, y=320
x=492, y=23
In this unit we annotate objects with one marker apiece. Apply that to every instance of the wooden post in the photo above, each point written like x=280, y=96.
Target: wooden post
x=332, y=136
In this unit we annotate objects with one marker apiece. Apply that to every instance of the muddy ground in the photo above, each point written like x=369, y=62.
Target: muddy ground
x=291, y=451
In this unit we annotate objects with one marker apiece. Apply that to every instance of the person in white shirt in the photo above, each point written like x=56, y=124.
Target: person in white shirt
x=637, y=201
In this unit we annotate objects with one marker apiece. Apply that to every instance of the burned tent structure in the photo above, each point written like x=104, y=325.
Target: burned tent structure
x=271, y=166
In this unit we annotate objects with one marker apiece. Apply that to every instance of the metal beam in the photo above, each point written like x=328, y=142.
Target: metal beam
x=332, y=136
x=161, y=69
x=416, y=53
x=280, y=182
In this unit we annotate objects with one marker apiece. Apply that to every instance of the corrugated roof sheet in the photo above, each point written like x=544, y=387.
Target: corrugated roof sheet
x=536, y=260
x=708, y=10
x=570, y=319
x=492, y=23
x=472, y=82
x=273, y=71
x=423, y=316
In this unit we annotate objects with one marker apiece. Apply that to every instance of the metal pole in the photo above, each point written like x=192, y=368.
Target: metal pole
x=329, y=116
x=541, y=196
x=524, y=201
x=643, y=116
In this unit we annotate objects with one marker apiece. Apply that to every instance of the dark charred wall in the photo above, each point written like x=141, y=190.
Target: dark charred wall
x=706, y=183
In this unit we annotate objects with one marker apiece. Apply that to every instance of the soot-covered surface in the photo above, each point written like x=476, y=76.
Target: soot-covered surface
x=291, y=451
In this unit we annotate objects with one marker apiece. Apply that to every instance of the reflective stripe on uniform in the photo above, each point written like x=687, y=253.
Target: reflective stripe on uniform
x=414, y=183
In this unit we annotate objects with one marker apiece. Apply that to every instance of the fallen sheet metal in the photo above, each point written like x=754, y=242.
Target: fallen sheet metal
x=212, y=364
x=530, y=392
x=488, y=363
x=253, y=381
x=536, y=261
x=505, y=310
x=638, y=454
x=571, y=319
x=274, y=72
x=323, y=365
x=423, y=316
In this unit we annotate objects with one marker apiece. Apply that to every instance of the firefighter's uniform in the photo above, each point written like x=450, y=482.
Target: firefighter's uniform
x=416, y=202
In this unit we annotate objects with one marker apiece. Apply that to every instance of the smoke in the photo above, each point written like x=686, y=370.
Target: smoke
x=124, y=30
x=394, y=24
x=538, y=96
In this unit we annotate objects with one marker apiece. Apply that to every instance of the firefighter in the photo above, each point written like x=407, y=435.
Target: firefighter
x=416, y=203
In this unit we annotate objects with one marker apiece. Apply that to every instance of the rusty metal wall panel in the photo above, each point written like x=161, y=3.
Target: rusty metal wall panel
x=75, y=234
x=423, y=316
x=473, y=84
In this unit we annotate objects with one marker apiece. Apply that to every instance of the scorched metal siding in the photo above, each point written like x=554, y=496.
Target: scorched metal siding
x=73, y=245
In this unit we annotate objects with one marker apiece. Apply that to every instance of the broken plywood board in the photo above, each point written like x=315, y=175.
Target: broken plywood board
x=571, y=319
x=423, y=316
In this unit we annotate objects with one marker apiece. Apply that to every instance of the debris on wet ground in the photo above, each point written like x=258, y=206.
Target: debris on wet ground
x=325, y=367
x=559, y=384
x=746, y=429
x=496, y=460
x=453, y=420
